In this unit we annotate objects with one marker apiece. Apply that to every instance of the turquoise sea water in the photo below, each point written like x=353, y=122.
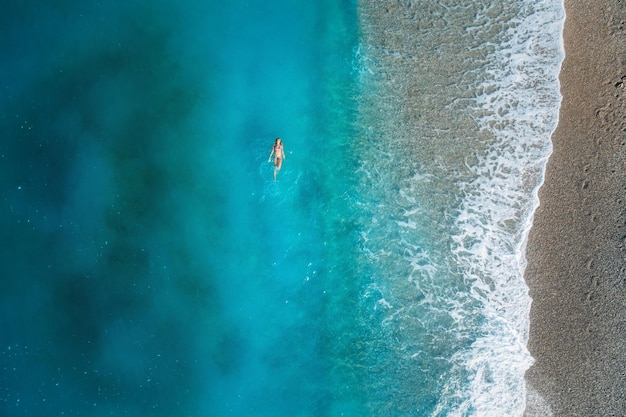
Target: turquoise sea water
x=151, y=266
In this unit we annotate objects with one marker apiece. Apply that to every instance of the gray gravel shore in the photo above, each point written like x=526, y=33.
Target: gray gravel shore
x=577, y=247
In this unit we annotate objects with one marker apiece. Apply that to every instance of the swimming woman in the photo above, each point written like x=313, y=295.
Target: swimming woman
x=279, y=155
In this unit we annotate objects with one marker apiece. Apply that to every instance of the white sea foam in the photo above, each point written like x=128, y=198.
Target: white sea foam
x=520, y=109
x=455, y=177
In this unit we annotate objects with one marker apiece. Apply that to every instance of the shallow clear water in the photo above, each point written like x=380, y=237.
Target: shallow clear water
x=463, y=100
x=153, y=267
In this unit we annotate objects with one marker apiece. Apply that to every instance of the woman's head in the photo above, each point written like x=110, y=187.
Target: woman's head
x=278, y=140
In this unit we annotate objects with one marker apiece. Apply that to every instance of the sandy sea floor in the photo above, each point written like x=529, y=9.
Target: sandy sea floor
x=577, y=247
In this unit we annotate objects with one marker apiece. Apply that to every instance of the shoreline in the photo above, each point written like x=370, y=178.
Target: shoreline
x=576, y=249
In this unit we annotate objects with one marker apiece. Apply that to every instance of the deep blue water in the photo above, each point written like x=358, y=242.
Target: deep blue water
x=152, y=267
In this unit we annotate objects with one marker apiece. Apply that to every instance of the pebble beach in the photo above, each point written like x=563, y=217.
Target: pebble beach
x=576, y=250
